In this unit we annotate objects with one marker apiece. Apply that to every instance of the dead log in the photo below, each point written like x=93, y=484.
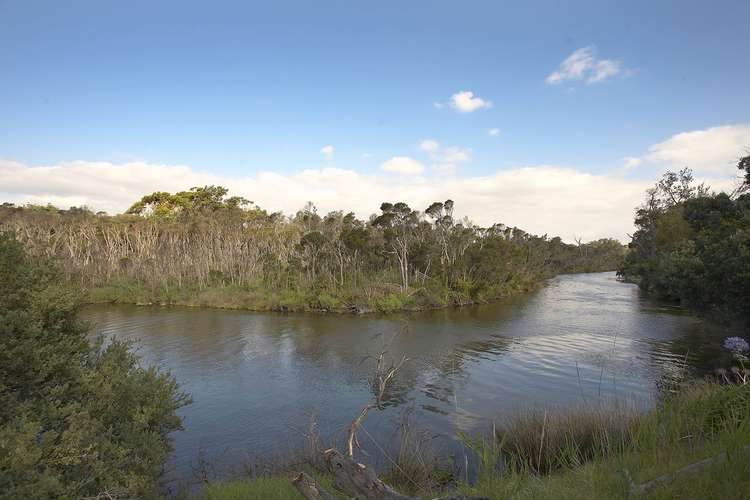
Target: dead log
x=310, y=489
x=350, y=477
x=357, y=480
x=688, y=470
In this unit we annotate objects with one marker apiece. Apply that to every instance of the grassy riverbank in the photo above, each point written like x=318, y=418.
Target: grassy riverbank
x=383, y=299
x=590, y=452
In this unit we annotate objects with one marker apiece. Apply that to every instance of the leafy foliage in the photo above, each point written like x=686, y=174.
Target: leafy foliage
x=75, y=420
x=693, y=247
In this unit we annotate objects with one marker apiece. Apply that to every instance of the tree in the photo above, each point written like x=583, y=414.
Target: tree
x=75, y=420
x=693, y=247
x=398, y=221
x=744, y=165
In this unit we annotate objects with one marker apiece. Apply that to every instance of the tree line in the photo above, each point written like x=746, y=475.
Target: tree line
x=693, y=246
x=206, y=241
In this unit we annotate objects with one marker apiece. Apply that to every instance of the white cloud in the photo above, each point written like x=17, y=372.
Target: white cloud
x=712, y=150
x=444, y=169
x=429, y=145
x=327, y=151
x=455, y=154
x=631, y=162
x=402, y=165
x=445, y=159
x=465, y=102
x=493, y=132
x=582, y=65
x=540, y=199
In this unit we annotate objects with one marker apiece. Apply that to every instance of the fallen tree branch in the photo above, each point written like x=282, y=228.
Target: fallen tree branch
x=695, y=468
x=353, y=478
x=359, y=481
x=309, y=489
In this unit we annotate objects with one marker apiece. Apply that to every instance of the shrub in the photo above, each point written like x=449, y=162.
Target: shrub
x=390, y=303
x=75, y=420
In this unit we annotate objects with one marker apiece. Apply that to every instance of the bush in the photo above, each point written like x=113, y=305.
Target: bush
x=390, y=303
x=75, y=420
x=328, y=302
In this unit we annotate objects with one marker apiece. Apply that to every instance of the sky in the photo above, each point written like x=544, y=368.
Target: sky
x=550, y=116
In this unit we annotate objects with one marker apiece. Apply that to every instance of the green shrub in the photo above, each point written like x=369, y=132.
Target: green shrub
x=390, y=303
x=328, y=302
x=75, y=420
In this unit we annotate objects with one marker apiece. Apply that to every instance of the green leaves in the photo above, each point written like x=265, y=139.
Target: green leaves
x=693, y=247
x=75, y=420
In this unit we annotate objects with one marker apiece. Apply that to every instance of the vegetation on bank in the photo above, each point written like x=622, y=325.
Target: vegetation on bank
x=593, y=452
x=693, y=246
x=76, y=421
x=200, y=247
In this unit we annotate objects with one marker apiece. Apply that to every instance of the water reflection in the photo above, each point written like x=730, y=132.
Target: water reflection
x=255, y=378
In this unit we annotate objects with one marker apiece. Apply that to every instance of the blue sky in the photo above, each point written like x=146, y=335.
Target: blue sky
x=234, y=89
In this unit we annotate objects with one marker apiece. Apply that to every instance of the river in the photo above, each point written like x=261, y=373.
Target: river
x=256, y=377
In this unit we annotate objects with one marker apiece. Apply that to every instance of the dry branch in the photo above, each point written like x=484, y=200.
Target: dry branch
x=350, y=477
x=310, y=489
x=688, y=470
x=380, y=383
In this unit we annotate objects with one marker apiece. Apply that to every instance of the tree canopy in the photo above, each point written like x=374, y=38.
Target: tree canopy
x=693, y=246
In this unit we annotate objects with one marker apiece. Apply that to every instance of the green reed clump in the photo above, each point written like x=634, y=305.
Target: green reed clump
x=541, y=442
x=544, y=441
x=417, y=466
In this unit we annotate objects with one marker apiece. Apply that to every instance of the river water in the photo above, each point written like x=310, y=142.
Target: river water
x=255, y=378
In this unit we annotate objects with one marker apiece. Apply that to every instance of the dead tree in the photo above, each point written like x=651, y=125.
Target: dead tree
x=354, y=479
x=380, y=383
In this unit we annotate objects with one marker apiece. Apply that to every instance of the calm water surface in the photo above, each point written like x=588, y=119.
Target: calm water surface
x=256, y=378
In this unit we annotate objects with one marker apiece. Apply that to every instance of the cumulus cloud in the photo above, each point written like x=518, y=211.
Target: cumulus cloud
x=402, y=165
x=541, y=199
x=444, y=169
x=327, y=151
x=583, y=65
x=713, y=150
x=455, y=154
x=493, y=132
x=429, y=145
x=465, y=102
x=445, y=159
x=549, y=199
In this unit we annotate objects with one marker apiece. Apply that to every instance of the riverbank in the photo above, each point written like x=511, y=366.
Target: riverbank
x=365, y=300
x=597, y=453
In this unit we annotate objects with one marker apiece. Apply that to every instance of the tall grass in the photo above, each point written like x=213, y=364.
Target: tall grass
x=544, y=452
x=544, y=441
x=417, y=466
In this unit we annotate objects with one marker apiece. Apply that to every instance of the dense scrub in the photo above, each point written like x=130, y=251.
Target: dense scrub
x=201, y=248
x=693, y=246
x=75, y=420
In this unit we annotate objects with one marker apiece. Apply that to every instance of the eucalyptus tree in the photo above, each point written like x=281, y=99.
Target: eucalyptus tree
x=398, y=222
